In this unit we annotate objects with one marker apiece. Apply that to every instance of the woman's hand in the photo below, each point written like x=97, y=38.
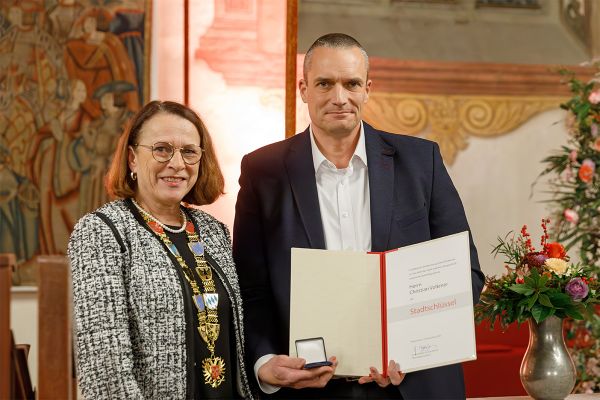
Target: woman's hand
x=395, y=376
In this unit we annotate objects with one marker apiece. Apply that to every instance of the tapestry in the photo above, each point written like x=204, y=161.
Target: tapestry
x=72, y=72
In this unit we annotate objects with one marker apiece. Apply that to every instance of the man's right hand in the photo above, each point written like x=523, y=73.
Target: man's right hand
x=284, y=371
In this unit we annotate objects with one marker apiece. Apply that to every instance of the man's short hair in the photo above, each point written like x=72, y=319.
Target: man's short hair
x=336, y=41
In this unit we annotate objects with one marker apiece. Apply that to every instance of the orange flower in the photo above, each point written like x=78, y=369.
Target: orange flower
x=586, y=171
x=555, y=250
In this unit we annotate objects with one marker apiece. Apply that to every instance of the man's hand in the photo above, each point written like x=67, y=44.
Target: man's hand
x=395, y=376
x=284, y=371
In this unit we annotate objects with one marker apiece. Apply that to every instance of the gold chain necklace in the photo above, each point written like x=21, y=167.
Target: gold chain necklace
x=213, y=367
x=153, y=218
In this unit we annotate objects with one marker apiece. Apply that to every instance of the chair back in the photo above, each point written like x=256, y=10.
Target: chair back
x=7, y=263
x=55, y=351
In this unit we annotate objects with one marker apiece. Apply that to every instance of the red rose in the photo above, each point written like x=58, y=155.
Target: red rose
x=555, y=250
x=520, y=280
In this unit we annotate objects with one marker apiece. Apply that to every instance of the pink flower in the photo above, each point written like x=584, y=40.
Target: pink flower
x=586, y=171
x=596, y=145
x=594, y=97
x=592, y=366
x=594, y=130
x=573, y=156
x=571, y=216
x=588, y=386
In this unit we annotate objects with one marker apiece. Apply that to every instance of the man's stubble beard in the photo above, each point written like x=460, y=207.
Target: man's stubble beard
x=340, y=129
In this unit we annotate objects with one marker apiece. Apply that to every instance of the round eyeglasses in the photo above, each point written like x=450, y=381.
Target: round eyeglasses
x=164, y=152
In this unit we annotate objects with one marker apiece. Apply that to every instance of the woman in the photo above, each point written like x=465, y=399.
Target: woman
x=158, y=312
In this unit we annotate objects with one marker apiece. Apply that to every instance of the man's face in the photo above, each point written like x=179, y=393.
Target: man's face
x=335, y=88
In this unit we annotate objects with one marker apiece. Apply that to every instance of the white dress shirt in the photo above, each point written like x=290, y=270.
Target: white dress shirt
x=344, y=198
x=345, y=210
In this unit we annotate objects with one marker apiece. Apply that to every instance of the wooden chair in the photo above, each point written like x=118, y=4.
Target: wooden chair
x=7, y=263
x=22, y=388
x=55, y=352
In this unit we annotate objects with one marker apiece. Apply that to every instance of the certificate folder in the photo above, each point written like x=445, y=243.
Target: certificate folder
x=412, y=305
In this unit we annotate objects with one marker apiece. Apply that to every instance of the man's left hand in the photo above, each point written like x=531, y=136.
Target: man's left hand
x=395, y=376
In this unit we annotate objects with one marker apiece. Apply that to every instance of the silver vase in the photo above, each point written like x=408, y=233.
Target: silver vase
x=547, y=370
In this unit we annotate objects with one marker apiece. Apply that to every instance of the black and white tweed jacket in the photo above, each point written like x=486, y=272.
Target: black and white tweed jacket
x=129, y=317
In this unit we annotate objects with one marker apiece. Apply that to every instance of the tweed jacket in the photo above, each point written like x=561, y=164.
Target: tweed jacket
x=129, y=307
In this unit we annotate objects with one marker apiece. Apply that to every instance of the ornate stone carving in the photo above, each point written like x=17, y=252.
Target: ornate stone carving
x=450, y=120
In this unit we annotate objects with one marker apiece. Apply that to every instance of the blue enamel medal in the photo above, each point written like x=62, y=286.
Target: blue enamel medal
x=197, y=248
x=173, y=249
x=199, y=301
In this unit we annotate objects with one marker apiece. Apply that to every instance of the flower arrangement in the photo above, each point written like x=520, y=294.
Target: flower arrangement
x=576, y=168
x=537, y=284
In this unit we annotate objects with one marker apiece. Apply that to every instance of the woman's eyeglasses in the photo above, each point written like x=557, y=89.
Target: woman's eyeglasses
x=163, y=152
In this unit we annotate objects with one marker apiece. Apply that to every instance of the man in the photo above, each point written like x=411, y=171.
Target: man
x=339, y=185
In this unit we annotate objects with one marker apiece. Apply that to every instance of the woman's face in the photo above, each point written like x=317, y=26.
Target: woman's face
x=79, y=92
x=164, y=183
x=89, y=24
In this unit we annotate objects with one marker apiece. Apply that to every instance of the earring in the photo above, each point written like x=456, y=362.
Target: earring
x=133, y=175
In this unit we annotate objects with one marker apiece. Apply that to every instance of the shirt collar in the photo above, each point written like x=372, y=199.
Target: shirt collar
x=360, y=152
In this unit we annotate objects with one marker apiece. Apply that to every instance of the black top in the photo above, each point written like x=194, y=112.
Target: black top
x=225, y=344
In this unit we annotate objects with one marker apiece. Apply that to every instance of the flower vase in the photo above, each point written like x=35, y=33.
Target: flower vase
x=547, y=370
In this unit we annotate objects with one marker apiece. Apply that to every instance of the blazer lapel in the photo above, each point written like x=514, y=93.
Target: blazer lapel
x=380, y=159
x=301, y=172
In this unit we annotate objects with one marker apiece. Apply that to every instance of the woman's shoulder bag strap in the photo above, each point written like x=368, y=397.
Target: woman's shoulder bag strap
x=112, y=227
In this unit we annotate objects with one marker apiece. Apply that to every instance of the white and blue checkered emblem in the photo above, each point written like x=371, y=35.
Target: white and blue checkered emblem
x=211, y=300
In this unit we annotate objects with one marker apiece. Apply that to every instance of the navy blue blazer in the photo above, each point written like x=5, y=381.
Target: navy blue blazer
x=412, y=200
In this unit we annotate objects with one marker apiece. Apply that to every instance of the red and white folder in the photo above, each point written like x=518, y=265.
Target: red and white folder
x=412, y=305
